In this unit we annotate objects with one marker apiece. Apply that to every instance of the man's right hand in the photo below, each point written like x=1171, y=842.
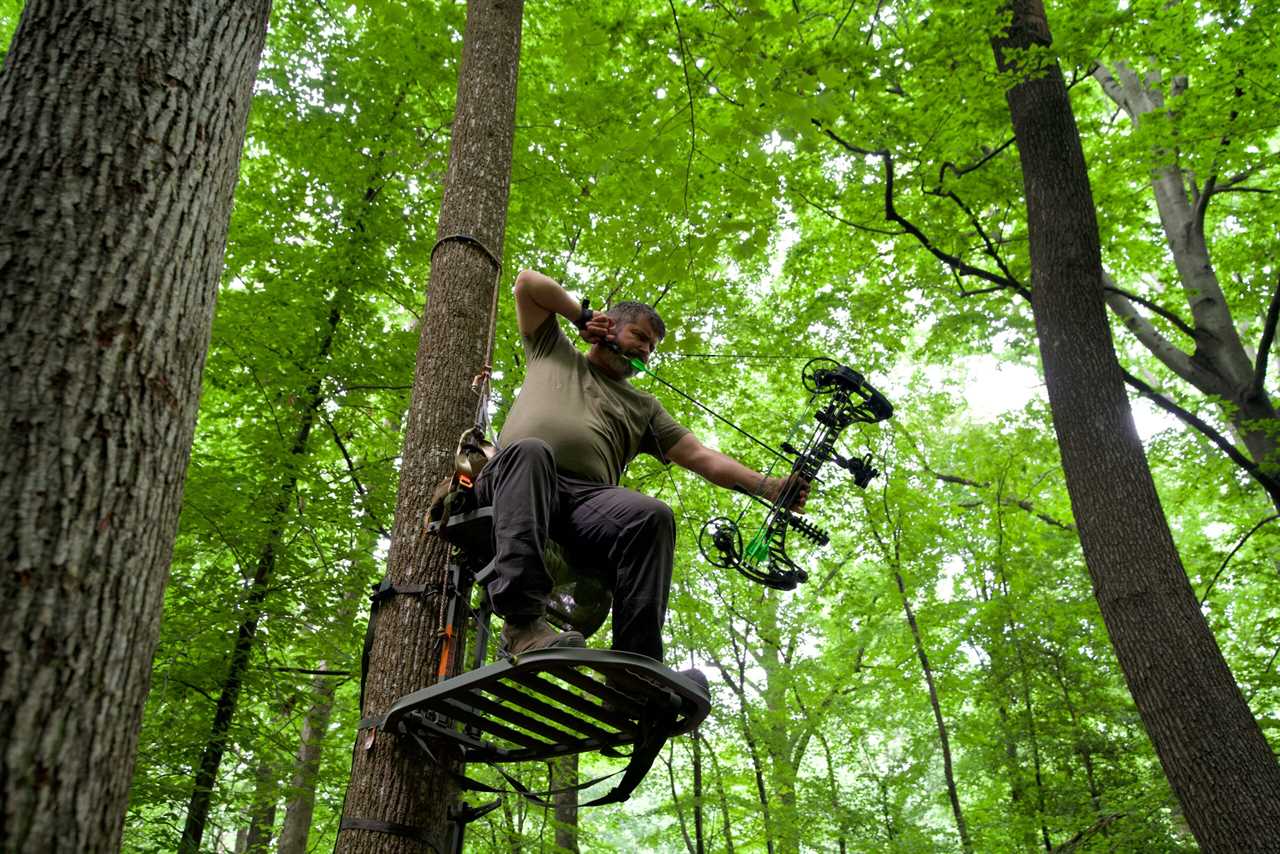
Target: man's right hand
x=598, y=329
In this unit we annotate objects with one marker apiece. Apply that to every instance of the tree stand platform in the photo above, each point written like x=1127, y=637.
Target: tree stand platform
x=553, y=702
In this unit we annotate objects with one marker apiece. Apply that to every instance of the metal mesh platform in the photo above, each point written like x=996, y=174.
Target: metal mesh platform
x=550, y=703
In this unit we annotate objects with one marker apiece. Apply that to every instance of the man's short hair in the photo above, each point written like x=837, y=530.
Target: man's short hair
x=630, y=311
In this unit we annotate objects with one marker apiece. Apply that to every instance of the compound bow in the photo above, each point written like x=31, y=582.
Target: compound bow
x=850, y=399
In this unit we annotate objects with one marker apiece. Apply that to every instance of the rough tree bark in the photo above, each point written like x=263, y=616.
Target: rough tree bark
x=121, y=125
x=1212, y=750
x=388, y=781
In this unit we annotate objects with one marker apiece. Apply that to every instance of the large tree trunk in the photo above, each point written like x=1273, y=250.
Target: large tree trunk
x=388, y=781
x=1216, y=758
x=121, y=125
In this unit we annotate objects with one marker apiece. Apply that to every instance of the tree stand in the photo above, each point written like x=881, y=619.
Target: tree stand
x=543, y=704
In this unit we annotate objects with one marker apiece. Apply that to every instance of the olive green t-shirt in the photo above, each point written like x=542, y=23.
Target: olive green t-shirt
x=594, y=424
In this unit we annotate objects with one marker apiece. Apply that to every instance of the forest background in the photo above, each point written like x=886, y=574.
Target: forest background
x=731, y=163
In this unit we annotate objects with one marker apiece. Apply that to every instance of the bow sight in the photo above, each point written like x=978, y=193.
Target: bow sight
x=850, y=399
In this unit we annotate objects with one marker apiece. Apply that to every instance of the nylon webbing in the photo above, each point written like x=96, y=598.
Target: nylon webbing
x=390, y=827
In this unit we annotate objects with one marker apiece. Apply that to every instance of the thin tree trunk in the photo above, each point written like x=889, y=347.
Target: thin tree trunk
x=699, y=836
x=301, y=801
x=724, y=804
x=252, y=613
x=675, y=798
x=388, y=781
x=121, y=126
x=1215, y=756
x=229, y=697
x=961, y=827
x=837, y=808
x=564, y=772
x=777, y=738
x=1086, y=755
x=262, y=814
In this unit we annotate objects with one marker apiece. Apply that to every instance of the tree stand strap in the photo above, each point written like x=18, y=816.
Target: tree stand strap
x=390, y=827
x=383, y=591
x=473, y=241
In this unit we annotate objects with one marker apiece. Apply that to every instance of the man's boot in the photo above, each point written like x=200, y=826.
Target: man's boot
x=521, y=636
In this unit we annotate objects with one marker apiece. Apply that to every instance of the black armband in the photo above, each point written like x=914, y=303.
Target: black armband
x=586, y=315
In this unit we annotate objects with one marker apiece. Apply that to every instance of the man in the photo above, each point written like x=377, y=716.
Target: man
x=573, y=429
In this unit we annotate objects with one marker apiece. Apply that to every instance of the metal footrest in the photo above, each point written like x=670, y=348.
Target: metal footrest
x=549, y=703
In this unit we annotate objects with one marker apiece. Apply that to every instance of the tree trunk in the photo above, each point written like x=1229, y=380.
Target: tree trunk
x=723, y=798
x=301, y=802
x=699, y=797
x=225, y=709
x=1212, y=750
x=388, y=781
x=839, y=813
x=121, y=126
x=776, y=736
x=564, y=773
x=1218, y=365
x=262, y=814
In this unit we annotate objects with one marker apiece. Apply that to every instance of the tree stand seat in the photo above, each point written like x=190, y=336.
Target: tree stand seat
x=581, y=595
x=553, y=702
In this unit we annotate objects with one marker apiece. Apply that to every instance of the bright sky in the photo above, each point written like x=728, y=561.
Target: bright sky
x=994, y=388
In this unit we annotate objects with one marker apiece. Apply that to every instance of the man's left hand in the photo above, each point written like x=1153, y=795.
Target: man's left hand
x=775, y=487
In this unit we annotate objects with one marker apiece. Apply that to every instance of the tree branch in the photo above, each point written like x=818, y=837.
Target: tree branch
x=1264, y=343
x=1268, y=483
x=688, y=88
x=992, y=252
x=857, y=226
x=351, y=469
x=958, y=171
x=1172, y=357
x=1209, y=587
x=1182, y=325
x=891, y=214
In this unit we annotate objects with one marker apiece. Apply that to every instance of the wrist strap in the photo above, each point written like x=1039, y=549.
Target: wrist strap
x=586, y=315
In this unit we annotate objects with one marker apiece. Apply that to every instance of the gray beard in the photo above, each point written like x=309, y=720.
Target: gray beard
x=621, y=364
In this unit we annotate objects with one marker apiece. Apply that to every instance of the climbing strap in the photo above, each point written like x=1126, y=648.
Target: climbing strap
x=392, y=828
x=382, y=591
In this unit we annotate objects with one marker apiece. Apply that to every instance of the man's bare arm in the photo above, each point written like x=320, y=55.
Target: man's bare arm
x=723, y=470
x=538, y=296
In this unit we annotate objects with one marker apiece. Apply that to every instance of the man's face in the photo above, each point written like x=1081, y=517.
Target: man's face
x=638, y=338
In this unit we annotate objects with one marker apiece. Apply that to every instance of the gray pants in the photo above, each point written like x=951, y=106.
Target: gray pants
x=630, y=535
